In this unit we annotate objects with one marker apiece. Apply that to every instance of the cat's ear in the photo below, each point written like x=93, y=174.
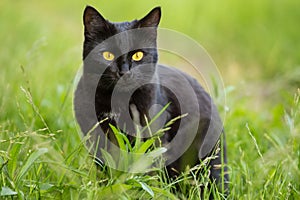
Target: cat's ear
x=93, y=21
x=151, y=19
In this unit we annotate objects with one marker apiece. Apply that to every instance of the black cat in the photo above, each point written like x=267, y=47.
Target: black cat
x=122, y=83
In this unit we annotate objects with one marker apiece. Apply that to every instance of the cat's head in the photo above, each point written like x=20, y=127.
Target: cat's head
x=120, y=48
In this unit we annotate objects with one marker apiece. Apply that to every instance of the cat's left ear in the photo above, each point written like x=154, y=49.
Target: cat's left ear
x=93, y=21
x=151, y=19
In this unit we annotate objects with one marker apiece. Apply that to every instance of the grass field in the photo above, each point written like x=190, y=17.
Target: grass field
x=255, y=45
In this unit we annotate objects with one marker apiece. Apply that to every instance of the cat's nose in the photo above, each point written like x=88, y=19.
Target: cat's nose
x=124, y=69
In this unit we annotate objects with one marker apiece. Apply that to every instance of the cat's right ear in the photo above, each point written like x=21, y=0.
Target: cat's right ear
x=93, y=21
x=151, y=19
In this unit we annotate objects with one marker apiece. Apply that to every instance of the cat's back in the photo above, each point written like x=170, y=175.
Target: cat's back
x=189, y=97
x=178, y=80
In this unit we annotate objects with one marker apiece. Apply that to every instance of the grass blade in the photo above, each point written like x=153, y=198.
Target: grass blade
x=30, y=161
x=119, y=137
x=6, y=191
x=145, y=146
x=155, y=117
x=108, y=159
x=157, y=152
x=147, y=188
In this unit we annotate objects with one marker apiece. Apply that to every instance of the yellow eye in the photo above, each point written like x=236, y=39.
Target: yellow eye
x=108, y=56
x=137, y=56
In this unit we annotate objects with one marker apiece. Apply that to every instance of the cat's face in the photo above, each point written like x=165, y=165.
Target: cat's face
x=126, y=49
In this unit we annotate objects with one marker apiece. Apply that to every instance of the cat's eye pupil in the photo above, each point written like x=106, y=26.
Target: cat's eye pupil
x=108, y=55
x=137, y=56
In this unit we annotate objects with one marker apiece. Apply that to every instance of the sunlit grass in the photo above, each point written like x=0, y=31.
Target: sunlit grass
x=255, y=45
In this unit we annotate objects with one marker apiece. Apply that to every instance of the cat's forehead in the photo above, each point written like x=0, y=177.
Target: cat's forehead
x=125, y=37
x=124, y=26
x=120, y=37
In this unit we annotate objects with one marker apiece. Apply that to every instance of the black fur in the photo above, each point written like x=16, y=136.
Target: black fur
x=98, y=32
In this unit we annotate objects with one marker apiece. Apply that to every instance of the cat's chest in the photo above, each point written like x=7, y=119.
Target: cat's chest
x=127, y=120
x=110, y=115
x=132, y=110
x=115, y=114
x=113, y=105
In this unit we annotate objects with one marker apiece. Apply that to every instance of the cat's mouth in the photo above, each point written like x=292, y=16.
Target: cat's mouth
x=127, y=82
x=127, y=76
x=118, y=82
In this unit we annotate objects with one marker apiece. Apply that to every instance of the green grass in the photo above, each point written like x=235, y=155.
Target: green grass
x=255, y=45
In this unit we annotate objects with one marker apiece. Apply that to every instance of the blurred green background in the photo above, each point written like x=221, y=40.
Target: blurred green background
x=255, y=44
